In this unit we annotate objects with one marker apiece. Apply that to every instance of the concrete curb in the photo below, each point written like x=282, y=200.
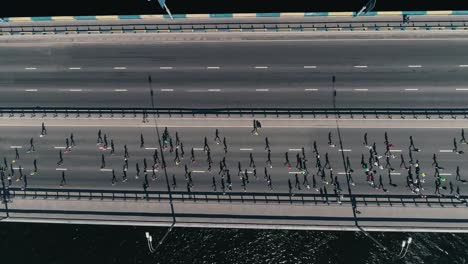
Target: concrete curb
x=232, y=15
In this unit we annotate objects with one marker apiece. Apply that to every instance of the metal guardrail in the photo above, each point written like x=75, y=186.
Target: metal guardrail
x=236, y=197
x=310, y=112
x=232, y=26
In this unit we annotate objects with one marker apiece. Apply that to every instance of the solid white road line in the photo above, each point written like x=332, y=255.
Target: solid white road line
x=462, y=89
x=344, y=150
x=310, y=67
x=214, y=90
x=360, y=66
x=212, y=67
x=198, y=171
x=120, y=90
x=61, y=169
x=310, y=89
x=395, y=150
x=361, y=89
x=16, y=147
x=245, y=149
x=198, y=149
x=120, y=68
x=30, y=68
x=75, y=90
x=74, y=68
x=296, y=149
x=445, y=174
x=411, y=89
x=261, y=90
x=261, y=67
x=414, y=66
x=463, y=65
x=59, y=147
x=105, y=169
x=151, y=148
x=31, y=90
x=295, y=172
x=446, y=150
x=165, y=68
x=167, y=90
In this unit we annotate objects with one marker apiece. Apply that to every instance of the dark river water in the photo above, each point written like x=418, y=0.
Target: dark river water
x=55, y=243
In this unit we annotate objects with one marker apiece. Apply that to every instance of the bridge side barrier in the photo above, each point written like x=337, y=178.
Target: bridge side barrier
x=235, y=197
x=127, y=26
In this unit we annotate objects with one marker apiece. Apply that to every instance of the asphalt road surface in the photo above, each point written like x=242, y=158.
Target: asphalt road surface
x=82, y=166
x=219, y=74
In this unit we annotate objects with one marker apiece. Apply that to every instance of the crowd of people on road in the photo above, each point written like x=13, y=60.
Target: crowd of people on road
x=320, y=177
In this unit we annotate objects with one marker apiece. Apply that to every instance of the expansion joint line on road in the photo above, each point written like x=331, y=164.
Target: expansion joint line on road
x=352, y=198
x=162, y=158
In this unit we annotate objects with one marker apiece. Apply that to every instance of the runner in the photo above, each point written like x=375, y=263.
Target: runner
x=330, y=143
x=217, y=139
x=44, y=130
x=286, y=157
